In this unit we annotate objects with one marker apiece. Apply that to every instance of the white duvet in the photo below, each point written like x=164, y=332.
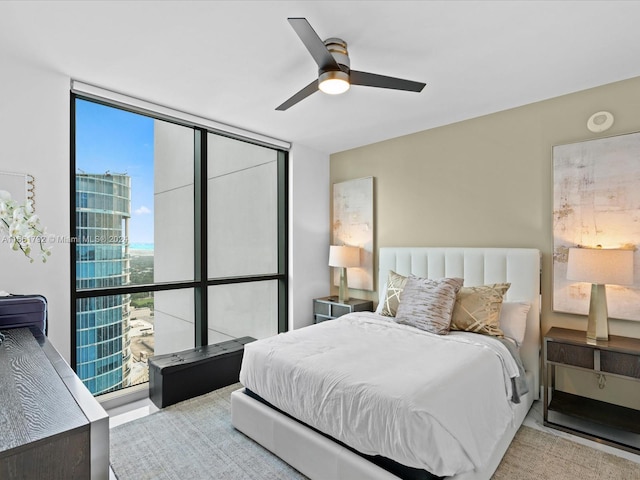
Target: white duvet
x=439, y=403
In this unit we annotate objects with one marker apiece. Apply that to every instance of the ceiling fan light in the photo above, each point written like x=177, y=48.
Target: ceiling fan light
x=334, y=82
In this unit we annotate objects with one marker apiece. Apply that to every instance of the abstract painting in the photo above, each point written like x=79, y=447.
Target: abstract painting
x=353, y=226
x=596, y=202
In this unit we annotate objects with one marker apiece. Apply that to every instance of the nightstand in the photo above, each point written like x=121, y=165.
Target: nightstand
x=328, y=308
x=594, y=419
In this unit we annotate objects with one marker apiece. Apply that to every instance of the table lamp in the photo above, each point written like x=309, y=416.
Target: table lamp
x=599, y=266
x=343, y=256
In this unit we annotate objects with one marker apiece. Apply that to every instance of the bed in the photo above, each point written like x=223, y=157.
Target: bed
x=362, y=419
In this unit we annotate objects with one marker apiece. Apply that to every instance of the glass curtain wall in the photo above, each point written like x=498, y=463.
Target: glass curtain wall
x=242, y=181
x=180, y=241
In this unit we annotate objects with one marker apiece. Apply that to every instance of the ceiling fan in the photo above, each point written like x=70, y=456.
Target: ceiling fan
x=334, y=73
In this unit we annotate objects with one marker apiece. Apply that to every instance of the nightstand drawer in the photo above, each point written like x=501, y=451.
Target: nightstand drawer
x=338, y=310
x=620, y=363
x=322, y=308
x=570, y=355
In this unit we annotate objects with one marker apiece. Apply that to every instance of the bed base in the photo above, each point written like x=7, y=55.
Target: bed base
x=399, y=470
x=320, y=458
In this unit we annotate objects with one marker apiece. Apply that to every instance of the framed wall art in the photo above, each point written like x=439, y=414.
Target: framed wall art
x=596, y=202
x=353, y=226
x=21, y=186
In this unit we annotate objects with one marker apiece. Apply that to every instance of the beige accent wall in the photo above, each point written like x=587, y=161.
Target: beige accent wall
x=487, y=182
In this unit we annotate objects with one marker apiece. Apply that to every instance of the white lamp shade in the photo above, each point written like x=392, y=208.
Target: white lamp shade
x=600, y=266
x=344, y=256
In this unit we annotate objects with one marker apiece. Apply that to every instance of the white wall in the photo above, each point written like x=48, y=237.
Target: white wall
x=34, y=139
x=309, y=233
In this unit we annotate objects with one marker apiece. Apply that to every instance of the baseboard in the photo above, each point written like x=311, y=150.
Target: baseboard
x=112, y=400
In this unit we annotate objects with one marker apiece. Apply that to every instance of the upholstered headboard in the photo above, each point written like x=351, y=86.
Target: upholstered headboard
x=479, y=266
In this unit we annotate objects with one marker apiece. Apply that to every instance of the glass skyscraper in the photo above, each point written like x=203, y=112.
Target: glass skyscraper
x=103, y=210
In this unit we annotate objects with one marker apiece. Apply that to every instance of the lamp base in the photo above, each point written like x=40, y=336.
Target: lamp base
x=598, y=322
x=343, y=293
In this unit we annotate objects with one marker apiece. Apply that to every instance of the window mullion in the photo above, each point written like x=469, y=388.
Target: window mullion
x=200, y=236
x=283, y=209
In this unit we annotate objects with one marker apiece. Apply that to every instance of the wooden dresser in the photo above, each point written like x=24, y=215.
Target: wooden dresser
x=52, y=427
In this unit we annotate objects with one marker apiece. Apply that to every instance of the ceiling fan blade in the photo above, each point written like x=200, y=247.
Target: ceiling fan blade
x=382, y=81
x=314, y=44
x=301, y=95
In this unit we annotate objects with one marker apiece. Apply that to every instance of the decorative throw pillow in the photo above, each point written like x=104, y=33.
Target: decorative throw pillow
x=513, y=320
x=477, y=309
x=427, y=303
x=395, y=285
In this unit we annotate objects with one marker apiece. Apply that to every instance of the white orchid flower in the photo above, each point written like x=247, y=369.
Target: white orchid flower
x=22, y=225
x=16, y=229
x=33, y=221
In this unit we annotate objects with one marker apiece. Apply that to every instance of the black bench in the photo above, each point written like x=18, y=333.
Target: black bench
x=175, y=377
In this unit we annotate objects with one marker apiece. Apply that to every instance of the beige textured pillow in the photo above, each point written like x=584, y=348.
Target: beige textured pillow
x=427, y=303
x=395, y=285
x=477, y=309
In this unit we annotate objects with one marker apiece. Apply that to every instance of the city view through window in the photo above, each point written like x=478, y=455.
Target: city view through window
x=114, y=245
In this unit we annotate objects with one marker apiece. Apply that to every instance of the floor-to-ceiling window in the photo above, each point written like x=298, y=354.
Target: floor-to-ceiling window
x=180, y=240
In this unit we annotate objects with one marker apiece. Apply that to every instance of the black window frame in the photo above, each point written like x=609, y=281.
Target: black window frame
x=202, y=279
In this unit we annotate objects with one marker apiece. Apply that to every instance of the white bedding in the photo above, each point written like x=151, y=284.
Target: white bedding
x=439, y=403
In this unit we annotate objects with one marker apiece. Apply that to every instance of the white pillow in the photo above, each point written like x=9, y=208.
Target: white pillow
x=383, y=295
x=513, y=320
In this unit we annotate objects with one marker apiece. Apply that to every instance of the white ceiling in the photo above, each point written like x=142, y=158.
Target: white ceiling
x=234, y=62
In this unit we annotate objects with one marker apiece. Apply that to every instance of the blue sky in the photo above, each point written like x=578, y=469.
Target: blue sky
x=122, y=142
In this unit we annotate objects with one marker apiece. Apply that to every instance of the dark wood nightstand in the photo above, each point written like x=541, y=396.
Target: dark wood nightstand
x=328, y=308
x=594, y=419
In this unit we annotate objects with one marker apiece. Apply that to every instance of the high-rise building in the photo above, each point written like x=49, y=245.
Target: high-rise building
x=103, y=210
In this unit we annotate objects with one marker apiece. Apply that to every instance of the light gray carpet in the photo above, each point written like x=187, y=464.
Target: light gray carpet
x=195, y=440
x=192, y=440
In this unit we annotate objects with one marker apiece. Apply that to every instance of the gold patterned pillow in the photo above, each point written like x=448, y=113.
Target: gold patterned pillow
x=395, y=285
x=477, y=309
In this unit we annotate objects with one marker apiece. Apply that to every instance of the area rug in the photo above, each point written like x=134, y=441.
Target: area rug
x=535, y=455
x=195, y=440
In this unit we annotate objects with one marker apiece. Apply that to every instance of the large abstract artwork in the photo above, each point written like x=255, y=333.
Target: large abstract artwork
x=596, y=188
x=353, y=226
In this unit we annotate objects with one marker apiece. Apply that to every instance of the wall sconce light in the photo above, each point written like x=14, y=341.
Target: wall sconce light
x=343, y=257
x=599, y=266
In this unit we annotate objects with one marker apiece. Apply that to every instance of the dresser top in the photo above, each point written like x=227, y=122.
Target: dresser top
x=34, y=401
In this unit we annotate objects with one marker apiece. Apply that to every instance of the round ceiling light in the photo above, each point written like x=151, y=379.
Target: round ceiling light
x=600, y=121
x=334, y=82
